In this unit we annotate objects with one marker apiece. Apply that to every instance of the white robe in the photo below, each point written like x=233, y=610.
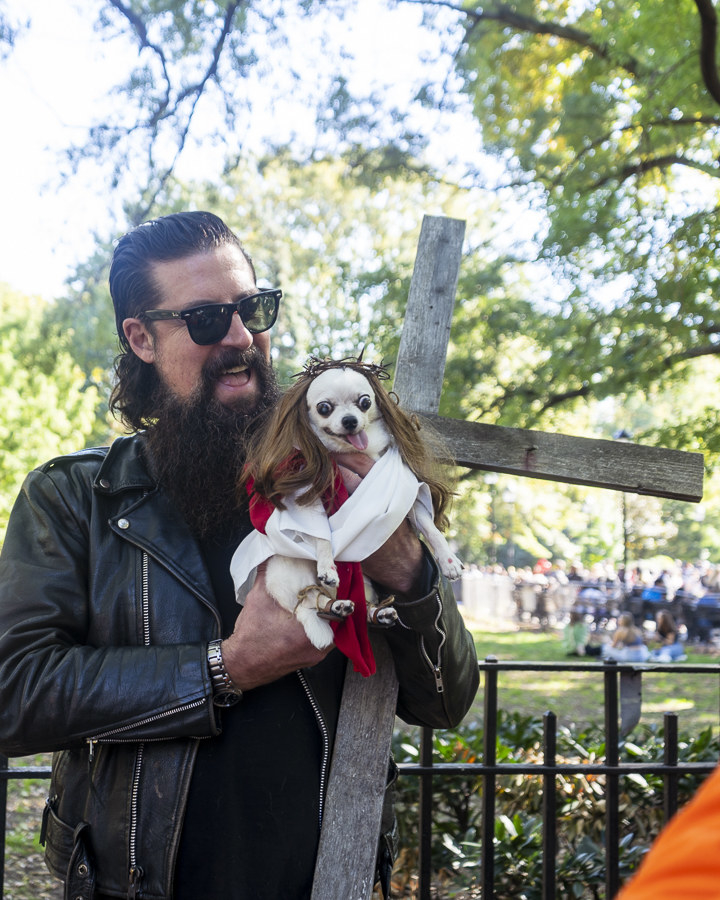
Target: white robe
x=384, y=497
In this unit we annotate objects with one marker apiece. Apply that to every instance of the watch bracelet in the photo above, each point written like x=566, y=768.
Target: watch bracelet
x=222, y=683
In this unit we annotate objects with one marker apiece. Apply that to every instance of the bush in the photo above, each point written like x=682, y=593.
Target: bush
x=580, y=864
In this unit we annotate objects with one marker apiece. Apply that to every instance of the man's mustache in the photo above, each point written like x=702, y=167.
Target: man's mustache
x=230, y=358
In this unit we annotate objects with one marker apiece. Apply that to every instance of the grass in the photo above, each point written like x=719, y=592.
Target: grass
x=26, y=877
x=577, y=697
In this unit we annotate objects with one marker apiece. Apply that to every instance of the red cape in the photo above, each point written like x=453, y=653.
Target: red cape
x=351, y=634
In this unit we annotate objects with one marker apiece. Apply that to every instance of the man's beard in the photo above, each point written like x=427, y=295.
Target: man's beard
x=196, y=448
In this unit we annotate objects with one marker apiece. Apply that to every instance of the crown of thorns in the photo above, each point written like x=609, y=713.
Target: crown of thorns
x=315, y=365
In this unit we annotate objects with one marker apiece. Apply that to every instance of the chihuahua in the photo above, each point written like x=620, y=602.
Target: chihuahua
x=337, y=408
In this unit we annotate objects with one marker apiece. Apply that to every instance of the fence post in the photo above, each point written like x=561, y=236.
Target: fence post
x=670, y=780
x=612, y=794
x=425, y=803
x=489, y=760
x=549, y=805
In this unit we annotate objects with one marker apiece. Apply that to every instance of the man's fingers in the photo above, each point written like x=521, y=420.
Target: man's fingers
x=359, y=463
x=351, y=480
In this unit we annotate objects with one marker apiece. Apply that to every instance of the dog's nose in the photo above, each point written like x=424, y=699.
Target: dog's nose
x=349, y=423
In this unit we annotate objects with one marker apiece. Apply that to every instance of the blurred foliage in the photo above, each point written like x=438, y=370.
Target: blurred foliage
x=589, y=187
x=47, y=404
x=580, y=865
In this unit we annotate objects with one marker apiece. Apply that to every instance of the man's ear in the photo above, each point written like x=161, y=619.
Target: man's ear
x=140, y=339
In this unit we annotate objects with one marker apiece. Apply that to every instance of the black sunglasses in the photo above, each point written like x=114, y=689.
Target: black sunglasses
x=209, y=323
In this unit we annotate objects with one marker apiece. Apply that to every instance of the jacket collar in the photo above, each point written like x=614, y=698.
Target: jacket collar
x=124, y=467
x=150, y=521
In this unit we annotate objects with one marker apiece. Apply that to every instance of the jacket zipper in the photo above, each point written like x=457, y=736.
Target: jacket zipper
x=112, y=736
x=325, y=742
x=437, y=665
x=135, y=870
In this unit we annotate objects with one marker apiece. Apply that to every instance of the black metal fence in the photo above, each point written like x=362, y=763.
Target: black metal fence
x=622, y=692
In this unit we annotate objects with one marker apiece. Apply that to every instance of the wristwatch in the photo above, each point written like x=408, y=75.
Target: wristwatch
x=225, y=693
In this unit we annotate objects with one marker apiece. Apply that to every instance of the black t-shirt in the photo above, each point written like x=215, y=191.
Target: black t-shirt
x=252, y=823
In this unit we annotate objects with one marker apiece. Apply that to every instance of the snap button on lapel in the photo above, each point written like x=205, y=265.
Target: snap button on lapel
x=104, y=483
x=123, y=523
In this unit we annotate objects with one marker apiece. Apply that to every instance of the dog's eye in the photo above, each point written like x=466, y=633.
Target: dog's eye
x=324, y=408
x=364, y=403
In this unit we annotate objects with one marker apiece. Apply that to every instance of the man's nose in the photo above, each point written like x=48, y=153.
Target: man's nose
x=238, y=335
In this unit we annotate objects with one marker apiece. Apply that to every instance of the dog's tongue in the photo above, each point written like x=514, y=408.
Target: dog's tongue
x=359, y=440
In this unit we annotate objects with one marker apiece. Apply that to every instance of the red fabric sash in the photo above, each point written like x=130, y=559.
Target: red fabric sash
x=351, y=634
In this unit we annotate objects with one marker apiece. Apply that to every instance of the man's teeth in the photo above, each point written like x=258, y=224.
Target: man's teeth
x=236, y=371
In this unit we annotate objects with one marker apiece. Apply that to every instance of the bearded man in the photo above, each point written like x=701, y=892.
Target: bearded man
x=191, y=737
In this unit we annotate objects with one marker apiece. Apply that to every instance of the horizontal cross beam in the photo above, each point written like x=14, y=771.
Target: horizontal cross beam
x=617, y=465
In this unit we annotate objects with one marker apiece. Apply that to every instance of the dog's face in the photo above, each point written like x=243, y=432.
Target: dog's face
x=343, y=413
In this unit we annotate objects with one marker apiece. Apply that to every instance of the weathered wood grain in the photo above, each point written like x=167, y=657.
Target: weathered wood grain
x=353, y=807
x=617, y=465
x=420, y=365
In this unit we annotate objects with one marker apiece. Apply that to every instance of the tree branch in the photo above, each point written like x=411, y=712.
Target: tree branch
x=708, y=42
x=656, y=162
x=506, y=15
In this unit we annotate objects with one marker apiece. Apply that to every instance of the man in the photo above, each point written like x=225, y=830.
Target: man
x=192, y=742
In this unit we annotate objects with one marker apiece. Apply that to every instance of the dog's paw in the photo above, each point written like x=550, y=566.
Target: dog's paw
x=329, y=576
x=383, y=616
x=451, y=567
x=337, y=610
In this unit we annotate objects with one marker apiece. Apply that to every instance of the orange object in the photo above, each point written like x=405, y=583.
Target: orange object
x=684, y=860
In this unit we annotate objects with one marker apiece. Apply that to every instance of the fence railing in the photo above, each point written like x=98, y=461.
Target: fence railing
x=622, y=709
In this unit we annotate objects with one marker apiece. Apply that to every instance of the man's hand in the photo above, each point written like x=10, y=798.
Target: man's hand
x=267, y=642
x=397, y=565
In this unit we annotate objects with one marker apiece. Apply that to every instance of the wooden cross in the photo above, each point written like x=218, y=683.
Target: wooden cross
x=351, y=823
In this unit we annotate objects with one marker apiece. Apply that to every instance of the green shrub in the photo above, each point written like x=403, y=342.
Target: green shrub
x=580, y=864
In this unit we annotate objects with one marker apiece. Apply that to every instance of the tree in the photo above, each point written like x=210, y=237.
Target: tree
x=606, y=118
x=591, y=255
x=206, y=73
x=9, y=31
x=46, y=406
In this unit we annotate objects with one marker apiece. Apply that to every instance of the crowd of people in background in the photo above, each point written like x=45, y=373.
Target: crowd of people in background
x=644, y=613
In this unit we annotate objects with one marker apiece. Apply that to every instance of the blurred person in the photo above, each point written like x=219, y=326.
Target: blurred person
x=667, y=634
x=628, y=642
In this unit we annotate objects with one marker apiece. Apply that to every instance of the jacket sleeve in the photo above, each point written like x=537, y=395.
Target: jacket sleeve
x=57, y=689
x=435, y=658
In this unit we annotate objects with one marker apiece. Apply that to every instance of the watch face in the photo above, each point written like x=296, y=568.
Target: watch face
x=226, y=698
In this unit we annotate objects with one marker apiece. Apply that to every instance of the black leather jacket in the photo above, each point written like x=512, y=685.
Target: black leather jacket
x=106, y=608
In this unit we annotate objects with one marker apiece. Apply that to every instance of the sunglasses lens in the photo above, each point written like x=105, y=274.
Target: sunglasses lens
x=209, y=324
x=259, y=312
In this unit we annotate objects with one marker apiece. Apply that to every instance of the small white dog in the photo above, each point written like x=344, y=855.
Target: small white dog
x=335, y=408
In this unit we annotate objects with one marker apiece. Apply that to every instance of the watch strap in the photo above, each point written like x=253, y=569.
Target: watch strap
x=225, y=693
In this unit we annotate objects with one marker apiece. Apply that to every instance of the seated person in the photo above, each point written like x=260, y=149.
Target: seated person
x=668, y=636
x=576, y=634
x=628, y=643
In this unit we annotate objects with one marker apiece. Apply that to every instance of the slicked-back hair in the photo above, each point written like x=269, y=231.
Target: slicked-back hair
x=133, y=290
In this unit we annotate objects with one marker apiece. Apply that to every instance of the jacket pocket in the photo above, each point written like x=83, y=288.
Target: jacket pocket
x=58, y=839
x=67, y=853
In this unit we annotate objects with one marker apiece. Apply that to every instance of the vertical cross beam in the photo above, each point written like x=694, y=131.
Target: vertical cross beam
x=353, y=808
